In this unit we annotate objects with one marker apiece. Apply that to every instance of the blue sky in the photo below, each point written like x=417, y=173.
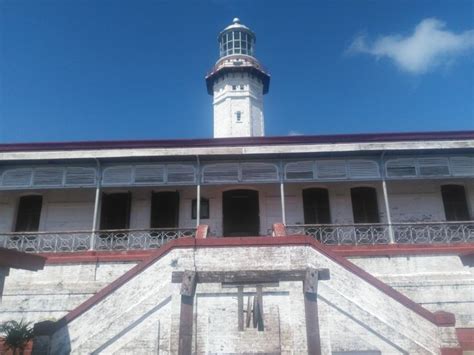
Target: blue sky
x=112, y=70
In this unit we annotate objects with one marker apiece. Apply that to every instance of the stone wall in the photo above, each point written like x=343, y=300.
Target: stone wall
x=437, y=282
x=50, y=293
x=143, y=314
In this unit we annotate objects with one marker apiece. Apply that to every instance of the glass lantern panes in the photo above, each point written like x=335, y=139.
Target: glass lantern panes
x=236, y=42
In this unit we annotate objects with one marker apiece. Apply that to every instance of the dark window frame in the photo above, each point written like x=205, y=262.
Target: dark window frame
x=106, y=199
x=455, y=203
x=156, y=220
x=27, y=220
x=365, y=205
x=204, y=213
x=318, y=210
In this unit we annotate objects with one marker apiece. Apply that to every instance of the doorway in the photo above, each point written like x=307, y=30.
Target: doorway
x=241, y=213
x=164, y=209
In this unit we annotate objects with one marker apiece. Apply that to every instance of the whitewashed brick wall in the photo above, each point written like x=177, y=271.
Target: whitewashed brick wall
x=354, y=315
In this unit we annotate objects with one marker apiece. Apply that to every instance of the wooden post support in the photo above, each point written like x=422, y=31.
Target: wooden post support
x=310, y=288
x=188, y=287
x=248, y=317
x=259, y=312
x=3, y=273
x=240, y=300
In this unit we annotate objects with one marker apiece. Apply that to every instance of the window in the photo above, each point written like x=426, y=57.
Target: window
x=364, y=205
x=234, y=87
x=29, y=212
x=164, y=209
x=204, y=209
x=115, y=211
x=238, y=116
x=455, y=203
x=241, y=87
x=316, y=206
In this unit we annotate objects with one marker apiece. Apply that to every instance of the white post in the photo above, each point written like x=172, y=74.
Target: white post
x=198, y=192
x=198, y=204
x=387, y=211
x=282, y=200
x=97, y=201
x=96, y=209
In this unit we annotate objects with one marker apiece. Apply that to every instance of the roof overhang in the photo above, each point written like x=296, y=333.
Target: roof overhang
x=248, y=146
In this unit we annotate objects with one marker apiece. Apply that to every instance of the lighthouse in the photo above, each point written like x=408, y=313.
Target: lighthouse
x=237, y=83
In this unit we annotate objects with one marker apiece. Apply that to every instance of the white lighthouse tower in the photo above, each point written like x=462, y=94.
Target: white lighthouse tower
x=237, y=83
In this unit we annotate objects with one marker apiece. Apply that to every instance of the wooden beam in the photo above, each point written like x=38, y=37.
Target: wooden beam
x=259, y=313
x=310, y=287
x=310, y=283
x=249, y=276
x=188, y=283
x=4, y=271
x=312, y=323
x=240, y=300
x=188, y=287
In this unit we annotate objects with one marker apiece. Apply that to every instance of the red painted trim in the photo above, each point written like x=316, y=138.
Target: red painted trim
x=466, y=338
x=279, y=230
x=451, y=351
x=253, y=242
x=402, y=249
x=18, y=260
x=346, y=251
x=245, y=141
x=201, y=231
x=96, y=256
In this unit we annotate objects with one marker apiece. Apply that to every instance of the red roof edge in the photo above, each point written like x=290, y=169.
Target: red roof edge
x=443, y=319
x=18, y=260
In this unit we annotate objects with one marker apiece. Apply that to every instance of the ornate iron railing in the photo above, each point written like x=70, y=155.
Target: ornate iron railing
x=400, y=233
x=58, y=242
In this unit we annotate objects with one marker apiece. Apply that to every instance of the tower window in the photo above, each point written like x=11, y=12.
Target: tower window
x=238, y=116
x=234, y=87
x=241, y=87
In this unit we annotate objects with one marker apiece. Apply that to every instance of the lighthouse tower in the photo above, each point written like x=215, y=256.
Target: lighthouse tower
x=237, y=83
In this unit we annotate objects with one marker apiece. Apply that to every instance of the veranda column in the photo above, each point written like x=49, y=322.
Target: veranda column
x=198, y=193
x=282, y=195
x=387, y=210
x=97, y=201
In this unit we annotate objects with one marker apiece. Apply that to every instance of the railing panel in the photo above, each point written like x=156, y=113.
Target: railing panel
x=64, y=242
x=403, y=233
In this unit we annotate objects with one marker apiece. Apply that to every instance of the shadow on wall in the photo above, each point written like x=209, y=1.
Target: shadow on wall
x=54, y=338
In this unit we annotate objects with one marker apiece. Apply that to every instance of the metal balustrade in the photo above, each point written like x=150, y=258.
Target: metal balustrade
x=403, y=233
x=76, y=241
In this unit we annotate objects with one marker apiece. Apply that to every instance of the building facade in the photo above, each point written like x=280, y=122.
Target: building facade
x=345, y=244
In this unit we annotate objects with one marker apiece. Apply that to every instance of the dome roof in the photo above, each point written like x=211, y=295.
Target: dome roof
x=236, y=25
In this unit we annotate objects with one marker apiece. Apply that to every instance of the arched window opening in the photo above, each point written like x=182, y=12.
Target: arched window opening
x=316, y=206
x=455, y=203
x=204, y=212
x=364, y=205
x=29, y=213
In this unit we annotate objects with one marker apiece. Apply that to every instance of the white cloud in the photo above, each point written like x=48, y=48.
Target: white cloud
x=295, y=133
x=429, y=46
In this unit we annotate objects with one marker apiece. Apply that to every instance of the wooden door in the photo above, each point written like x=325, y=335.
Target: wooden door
x=241, y=213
